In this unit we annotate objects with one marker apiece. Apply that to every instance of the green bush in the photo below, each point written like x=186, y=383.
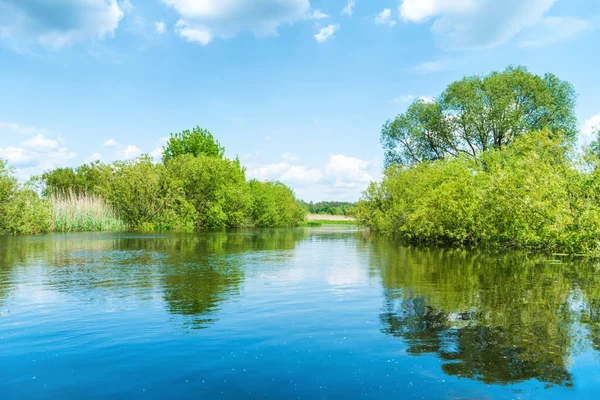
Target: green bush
x=22, y=211
x=274, y=205
x=532, y=194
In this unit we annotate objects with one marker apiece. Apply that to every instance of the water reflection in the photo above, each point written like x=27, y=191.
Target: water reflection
x=497, y=318
x=193, y=273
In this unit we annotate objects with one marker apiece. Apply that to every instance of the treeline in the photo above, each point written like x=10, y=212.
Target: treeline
x=331, y=208
x=491, y=162
x=195, y=187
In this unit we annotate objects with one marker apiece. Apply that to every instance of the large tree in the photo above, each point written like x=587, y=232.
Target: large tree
x=478, y=113
x=196, y=142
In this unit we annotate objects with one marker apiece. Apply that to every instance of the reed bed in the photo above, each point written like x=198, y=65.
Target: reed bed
x=84, y=213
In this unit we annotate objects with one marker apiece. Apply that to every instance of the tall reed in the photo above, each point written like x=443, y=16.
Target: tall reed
x=83, y=213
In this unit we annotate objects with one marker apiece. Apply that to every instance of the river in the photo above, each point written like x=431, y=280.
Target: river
x=308, y=313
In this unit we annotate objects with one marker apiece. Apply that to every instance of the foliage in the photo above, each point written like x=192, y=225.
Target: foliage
x=185, y=193
x=74, y=212
x=274, y=204
x=531, y=194
x=196, y=142
x=480, y=113
x=330, y=207
x=72, y=181
x=22, y=211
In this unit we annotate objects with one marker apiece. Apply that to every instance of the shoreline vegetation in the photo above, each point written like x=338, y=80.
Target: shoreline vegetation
x=195, y=187
x=492, y=162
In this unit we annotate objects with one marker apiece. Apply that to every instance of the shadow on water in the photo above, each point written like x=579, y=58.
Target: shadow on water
x=193, y=273
x=497, y=318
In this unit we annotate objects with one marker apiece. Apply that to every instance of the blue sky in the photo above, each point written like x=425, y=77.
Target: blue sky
x=298, y=89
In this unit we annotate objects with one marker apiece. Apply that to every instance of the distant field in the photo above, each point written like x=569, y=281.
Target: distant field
x=320, y=217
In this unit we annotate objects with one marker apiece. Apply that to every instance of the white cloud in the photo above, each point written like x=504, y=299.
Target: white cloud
x=40, y=143
x=349, y=9
x=17, y=155
x=93, y=157
x=126, y=6
x=318, y=14
x=36, y=155
x=284, y=172
x=110, y=143
x=130, y=152
x=26, y=22
x=160, y=27
x=157, y=153
x=340, y=178
x=20, y=129
x=301, y=174
x=201, y=21
x=290, y=157
x=195, y=35
x=590, y=128
x=468, y=24
x=348, y=172
x=326, y=33
x=556, y=29
x=384, y=18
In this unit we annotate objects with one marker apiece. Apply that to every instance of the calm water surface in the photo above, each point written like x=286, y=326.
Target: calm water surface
x=320, y=313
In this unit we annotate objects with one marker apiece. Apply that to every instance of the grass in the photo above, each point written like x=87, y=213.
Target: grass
x=84, y=213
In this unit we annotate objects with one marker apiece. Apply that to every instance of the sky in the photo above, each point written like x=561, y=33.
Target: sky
x=298, y=89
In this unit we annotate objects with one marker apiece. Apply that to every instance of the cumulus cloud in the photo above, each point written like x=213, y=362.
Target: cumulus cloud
x=340, y=177
x=40, y=143
x=56, y=25
x=202, y=21
x=37, y=154
x=557, y=29
x=349, y=9
x=285, y=172
x=385, y=18
x=468, y=24
x=17, y=155
x=348, y=172
x=326, y=33
x=110, y=143
x=130, y=151
x=160, y=27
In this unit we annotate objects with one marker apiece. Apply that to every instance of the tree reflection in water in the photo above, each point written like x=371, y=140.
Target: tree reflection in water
x=498, y=318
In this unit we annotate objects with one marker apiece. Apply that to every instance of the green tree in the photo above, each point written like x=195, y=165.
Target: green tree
x=195, y=142
x=480, y=113
x=274, y=205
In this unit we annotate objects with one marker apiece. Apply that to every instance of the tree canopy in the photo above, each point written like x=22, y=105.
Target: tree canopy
x=196, y=142
x=480, y=113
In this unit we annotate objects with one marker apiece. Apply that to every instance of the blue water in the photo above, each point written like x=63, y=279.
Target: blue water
x=315, y=313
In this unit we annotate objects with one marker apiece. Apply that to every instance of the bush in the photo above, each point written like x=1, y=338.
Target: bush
x=22, y=211
x=274, y=205
x=531, y=194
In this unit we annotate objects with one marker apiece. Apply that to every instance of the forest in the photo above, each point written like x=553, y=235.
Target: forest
x=494, y=161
